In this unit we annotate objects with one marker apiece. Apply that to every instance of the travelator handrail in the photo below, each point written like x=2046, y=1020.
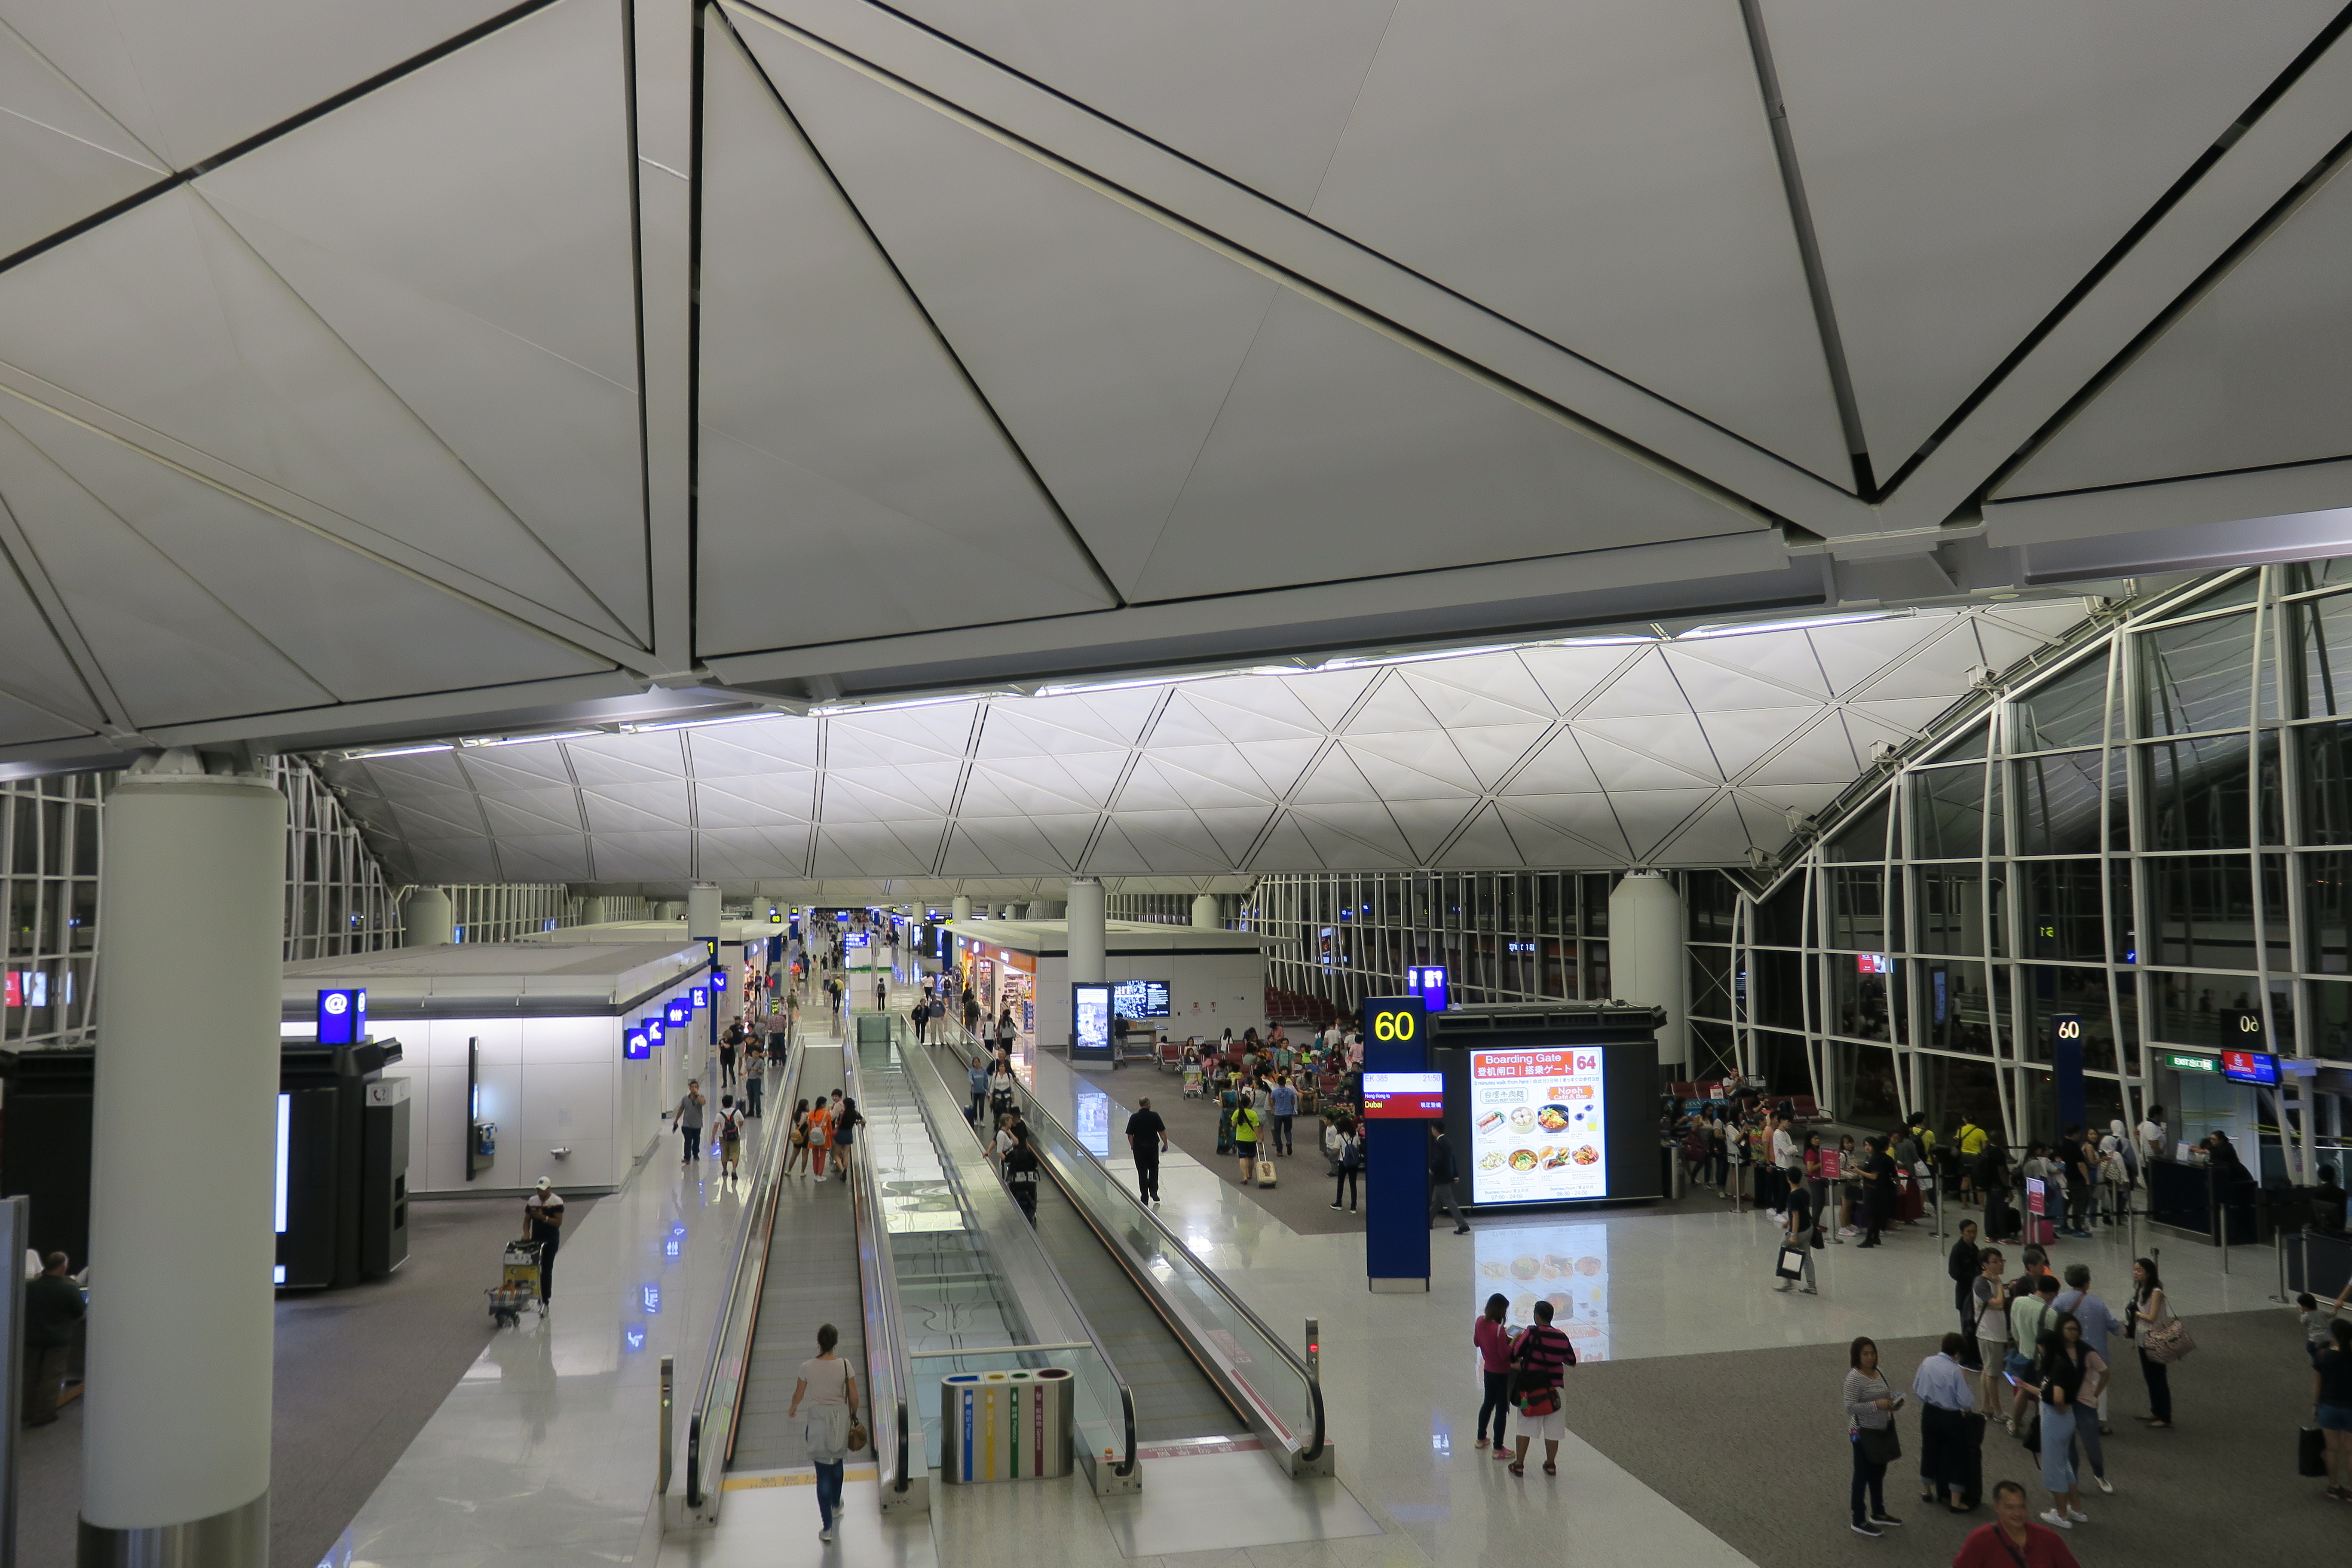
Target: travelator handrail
x=890, y=1372
x=1124, y=1464
x=717, y=1404
x=1300, y=1456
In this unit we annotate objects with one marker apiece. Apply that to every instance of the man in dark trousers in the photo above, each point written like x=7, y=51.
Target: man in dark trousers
x=542, y=1218
x=52, y=1305
x=1442, y=1175
x=1146, y=1135
x=1965, y=1264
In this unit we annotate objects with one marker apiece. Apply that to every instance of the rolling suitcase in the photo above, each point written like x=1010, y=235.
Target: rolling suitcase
x=1266, y=1172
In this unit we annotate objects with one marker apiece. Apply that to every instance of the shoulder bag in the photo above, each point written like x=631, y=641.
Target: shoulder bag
x=1880, y=1445
x=2168, y=1339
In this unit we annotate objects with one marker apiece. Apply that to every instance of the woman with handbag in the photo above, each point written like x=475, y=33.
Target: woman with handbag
x=1538, y=1357
x=2162, y=1340
x=798, y=1153
x=1347, y=1159
x=834, y=1433
x=1797, y=1232
x=1870, y=1407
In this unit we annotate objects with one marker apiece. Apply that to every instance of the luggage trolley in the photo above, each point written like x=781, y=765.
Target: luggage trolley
x=517, y=1288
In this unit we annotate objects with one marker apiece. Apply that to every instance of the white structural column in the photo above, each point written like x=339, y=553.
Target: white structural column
x=1205, y=913
x=1087, y=939
x=175, y=1436
x=1646, y=958
x=960, y=908
x=424, y=918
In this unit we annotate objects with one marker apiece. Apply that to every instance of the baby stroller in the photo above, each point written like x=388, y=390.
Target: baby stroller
x=517, y=1287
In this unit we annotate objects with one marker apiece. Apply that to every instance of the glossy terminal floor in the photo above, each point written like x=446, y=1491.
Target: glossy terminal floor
x=544, y=1455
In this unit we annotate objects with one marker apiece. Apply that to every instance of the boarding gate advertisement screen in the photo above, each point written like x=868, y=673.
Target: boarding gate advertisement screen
x=1539, y=1125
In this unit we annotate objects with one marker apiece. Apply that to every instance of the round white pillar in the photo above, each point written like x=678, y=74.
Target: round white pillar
x=175, y=1436
x=1089, y=960
x=1647, y=962
x=960, y=908
x=1205, y=914
x=424, y=918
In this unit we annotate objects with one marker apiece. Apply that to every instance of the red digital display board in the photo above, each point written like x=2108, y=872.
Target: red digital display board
x=2250, y=1067
x=1404, y=1095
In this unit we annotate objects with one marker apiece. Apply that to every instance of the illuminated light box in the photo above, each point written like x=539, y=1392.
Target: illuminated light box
x=1404, y=1095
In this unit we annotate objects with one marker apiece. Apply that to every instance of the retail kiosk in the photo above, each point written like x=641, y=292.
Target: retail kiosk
x=527, y=1059
x=1178, y=980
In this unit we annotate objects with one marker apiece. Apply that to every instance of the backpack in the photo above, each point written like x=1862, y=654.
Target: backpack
x=1351, y=1153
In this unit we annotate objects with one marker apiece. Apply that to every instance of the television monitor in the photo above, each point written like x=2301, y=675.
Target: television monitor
x=2251, y=1066
x=1139, y=998
x=1404, y=1095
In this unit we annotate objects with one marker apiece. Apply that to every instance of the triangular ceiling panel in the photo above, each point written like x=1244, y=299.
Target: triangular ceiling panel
x=1486, y=690
x=1716, y=837
x=1254, y=708
x=1261, y=93
x=1628, y=770
x=526, y=766
x=532, y=811
x=1783, y=659
x=1427, y=823
x=353, y=627
x=193, y=81
x=1391, y=707
x=1287, y=848
x=1650, y=816
x=1722, y=686
x=1345, y=836
x=1414, y=767
x=1560, y=768
x=753, y=746
x=1569, y=677
x=542, y=858
x=1564, y=829
x=1603, y=174
x=519, y=346
x=1104, y=340
x=2258, y=373
x=1491, y=751
x=1337, y=445
x=61, y=156
x=820, y=375
x=1740, y=738
x=1485, y=842
x=1647, y=688
x=165, y=316
x=1968, y=165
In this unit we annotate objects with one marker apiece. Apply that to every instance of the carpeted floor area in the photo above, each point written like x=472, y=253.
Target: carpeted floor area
x=1753, y=1445
x=358, y=1373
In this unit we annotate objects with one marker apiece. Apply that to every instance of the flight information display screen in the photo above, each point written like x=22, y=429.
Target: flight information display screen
x=1404, y=1095
x=1139, y=998
x=1539, y=1125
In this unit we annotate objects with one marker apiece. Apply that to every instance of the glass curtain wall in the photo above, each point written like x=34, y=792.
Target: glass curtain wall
x=2144, y=836
x=501, y=911
x=1501, y=936
x=337, y=900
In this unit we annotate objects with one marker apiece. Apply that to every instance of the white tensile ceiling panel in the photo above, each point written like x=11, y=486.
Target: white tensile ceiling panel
x=1603, y=174
x=165, y=316
x=1258, y=92
x=544, y=857
x=334, y=621
x=517, y=347
x=2254, y=375
x=977, y=787
x=61, y=156
x=191, y=80
x=1106, y=342
x=820, y=373
x=1968, y=165
x=1336, y=442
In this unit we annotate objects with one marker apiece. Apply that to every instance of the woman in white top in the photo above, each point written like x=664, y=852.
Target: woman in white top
x=831, y=1390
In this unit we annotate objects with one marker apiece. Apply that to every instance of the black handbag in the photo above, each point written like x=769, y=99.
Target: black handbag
x=1880, y=1445
x=2311, y=1452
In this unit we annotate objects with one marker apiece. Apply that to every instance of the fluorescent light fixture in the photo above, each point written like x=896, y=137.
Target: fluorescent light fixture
x=532, y=740
x=399, y=752
x=1742, y=628
x=847, y=709
x=703, y=723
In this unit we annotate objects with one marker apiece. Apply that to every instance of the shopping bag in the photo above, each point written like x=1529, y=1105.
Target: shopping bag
x=1266, y=1172
x=1791, y=1264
